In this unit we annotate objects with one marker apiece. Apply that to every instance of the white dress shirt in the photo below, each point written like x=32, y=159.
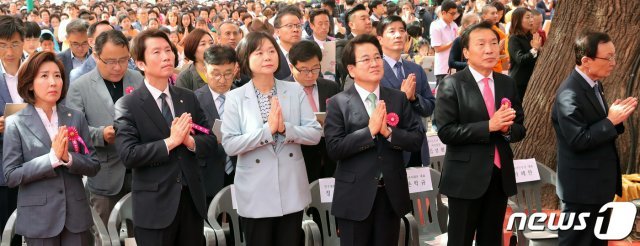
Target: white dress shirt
x=215, y=96
x=155, y=93
x=52, y=129
x=12, y=84
x=478, y=78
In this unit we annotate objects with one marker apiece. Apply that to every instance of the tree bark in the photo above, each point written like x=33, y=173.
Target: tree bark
x=618, y=18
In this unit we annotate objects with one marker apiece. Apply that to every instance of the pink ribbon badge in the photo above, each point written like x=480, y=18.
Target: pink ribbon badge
x=128, y=90
x=74, y=137
x=506, y=101
x=392, y=119
x=199, y=128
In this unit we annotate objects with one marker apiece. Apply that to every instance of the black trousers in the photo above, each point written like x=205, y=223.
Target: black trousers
x=482, y=217
x=380, y=228
x=186, y=229
x=273, y=231
x=8, y=203
x=584, y=237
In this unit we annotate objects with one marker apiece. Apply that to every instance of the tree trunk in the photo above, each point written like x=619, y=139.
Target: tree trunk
x=618, y=18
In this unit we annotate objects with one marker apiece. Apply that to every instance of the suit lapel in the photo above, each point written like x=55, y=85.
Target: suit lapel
x=471, y=87
x=65, y=116
x=590, y=93
x=150, y=107
x=102, y=91
x=179, y=106
x=210, y=108
x=4, y=91
x=499, y=92
x=285, y=101
x=322, y=96
x=34, y=124
x=128, y=82
x=390, y=80
x=356, y=107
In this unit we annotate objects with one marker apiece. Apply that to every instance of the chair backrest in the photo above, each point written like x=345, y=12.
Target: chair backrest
x=122, y=211
x=529, y=197
x=425, y=208
x=100, y=228
x=327, y=221
x=436, y=162
x=223, y=203
x=9, y=229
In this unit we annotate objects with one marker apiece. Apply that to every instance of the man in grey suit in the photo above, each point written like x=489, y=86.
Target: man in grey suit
x=95, y=94
x=220, y=62
x=78, y=51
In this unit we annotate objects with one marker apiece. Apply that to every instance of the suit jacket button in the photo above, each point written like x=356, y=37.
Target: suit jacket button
x=60, y=192
x=178, y=179
x=379, y=157
x=258, y=161
x=290, y=154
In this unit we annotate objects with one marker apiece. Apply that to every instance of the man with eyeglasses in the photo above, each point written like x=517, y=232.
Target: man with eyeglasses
x=78, y=50
x=12, y=36
x=305, y=58
x=95, y=94
x=221, y=65
x=288, y=29
x=94, y=30
x=586, y=128
x=367, y=128
x=443, y=31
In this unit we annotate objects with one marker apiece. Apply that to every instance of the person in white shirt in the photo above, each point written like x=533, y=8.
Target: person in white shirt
x=443, y=31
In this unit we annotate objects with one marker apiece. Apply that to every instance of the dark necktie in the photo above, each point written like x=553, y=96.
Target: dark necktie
x=399, y=73
x=166, y=111
x=596, y=88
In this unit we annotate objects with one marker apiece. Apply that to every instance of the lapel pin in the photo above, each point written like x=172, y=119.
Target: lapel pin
x=181, y=101
x=69, y=114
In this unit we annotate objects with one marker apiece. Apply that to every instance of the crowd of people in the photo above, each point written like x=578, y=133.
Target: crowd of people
x=128, y=94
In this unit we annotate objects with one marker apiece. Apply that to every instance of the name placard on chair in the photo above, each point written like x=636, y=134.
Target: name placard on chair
x=419, y=179
x=326, y=189
x=526, y=170
x=436, y=147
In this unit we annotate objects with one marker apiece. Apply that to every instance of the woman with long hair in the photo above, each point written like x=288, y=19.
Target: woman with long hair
x=185, y=26
x=194, y=45
x=523, y=48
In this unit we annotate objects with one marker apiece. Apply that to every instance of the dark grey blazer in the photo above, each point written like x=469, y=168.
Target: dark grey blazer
x=48, y=199
x=190, y=79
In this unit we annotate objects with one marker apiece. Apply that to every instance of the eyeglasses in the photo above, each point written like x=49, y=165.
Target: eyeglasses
x=227, y=76
x=13, y=45
x=308, y=71
x=368, y=61
x=113, y=62
x=610, y=59
x=292, y=26
x=77, y=45
x=454, y=13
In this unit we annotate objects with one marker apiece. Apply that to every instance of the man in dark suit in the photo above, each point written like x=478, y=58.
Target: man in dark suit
x=367, y=129
x=220, y=62
x=288, y=26
x=305, y=58
x=358, y=21
x=319, y=22
x=405, y=76
x=478, y=174
x=78, y=51
x=167, y=191
x=586, y=130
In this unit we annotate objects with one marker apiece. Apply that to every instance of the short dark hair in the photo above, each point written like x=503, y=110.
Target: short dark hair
x=317, y=12
x=220, y=55
x=288, y=10
x=10, y=25
x=349, y=51
x=516, y=3
x=28, y=72
x=356, y=8
x=32, y=29
x=499, y=6
x=349, y=2
x=447, y=5
x=374, y=4
x=303, y=51
x=45, y=10
x=248, y=45
x=138, y=46
x=330, y=3
x=464, y=38
x=77, y=26
x=113, y=36
x=92, y=28
x=414, y=29
x=191, y=42
x=386, y=21
x=586, y=44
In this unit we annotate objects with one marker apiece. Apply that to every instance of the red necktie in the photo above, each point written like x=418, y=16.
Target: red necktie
x=490, y=102
x=309, y=91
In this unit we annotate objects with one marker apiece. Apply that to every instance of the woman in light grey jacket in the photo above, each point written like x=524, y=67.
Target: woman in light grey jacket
x=47, y=150
x=264, y=123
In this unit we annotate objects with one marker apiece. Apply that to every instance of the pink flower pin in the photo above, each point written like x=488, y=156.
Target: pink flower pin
x=392, y=119
x=506, y=101
x=128, y=90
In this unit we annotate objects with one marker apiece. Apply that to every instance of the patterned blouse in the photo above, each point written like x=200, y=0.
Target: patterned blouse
x=264, y=102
